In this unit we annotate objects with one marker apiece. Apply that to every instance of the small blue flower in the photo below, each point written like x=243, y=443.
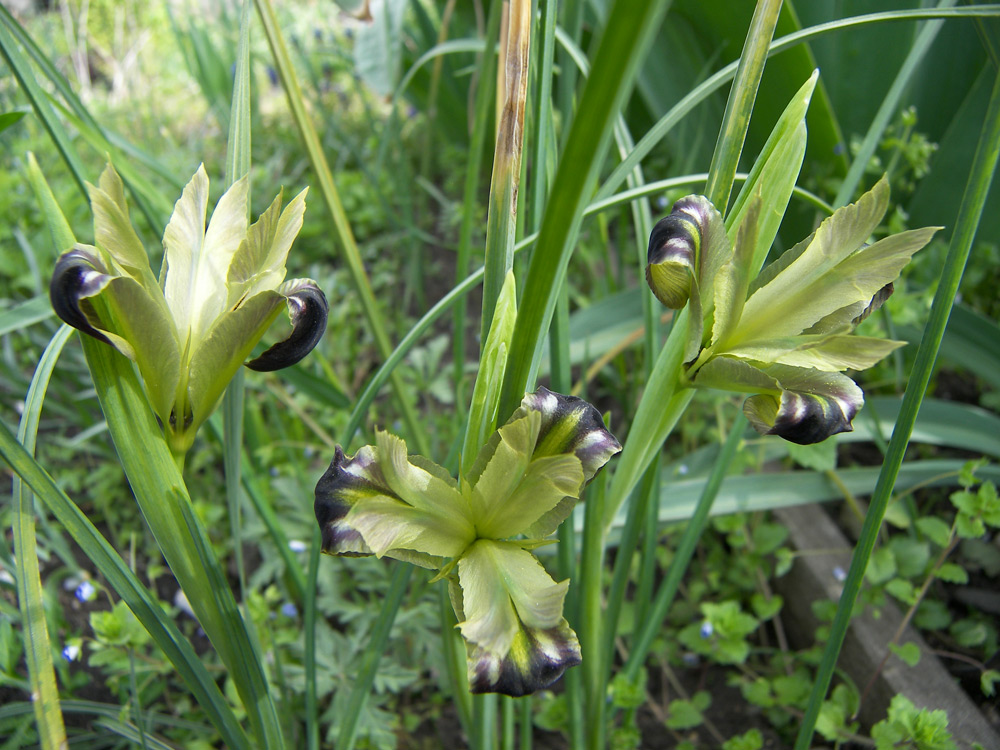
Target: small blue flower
x=86, y=592
x=71, y=653
x=839, y=574
x=289, y=610
x=297, y=545
x=706, y=630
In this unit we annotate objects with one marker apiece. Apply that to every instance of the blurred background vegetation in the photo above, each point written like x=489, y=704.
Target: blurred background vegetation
x=150, y=85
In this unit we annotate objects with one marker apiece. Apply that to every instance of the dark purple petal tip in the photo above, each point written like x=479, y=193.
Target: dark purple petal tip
x=75, y=278
x=537, y=659
x=340, y=487
x=308, y=309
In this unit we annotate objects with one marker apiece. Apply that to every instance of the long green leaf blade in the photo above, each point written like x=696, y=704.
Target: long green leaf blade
x=621, y=49
x=984, y=166
x=37, y=646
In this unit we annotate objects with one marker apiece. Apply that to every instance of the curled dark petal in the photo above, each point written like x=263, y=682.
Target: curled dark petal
x=536, y=659
x=803, y=418
x=346, y=481
x=670, y=259
x=75, y=278
x=308, y=310
x=570, y=425
x=876, y=302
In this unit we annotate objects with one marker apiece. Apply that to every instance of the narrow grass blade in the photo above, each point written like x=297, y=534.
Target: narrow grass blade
x=735, y=122
x=25, y=314
x=621, y=49
x=37, y=646
x=701, y=92
x=21, y=69
x=237, y=165
x=984, y=166
x=121, y=578
x=331, y=197
x=310, y=615
x=921, y=45
x=486, y=81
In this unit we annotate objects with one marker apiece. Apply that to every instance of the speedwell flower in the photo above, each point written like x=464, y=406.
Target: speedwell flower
x=783, y=336
x=219, y=290
x=480, y=530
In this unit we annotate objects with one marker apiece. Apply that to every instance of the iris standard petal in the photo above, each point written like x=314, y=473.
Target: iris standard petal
x=308, y=310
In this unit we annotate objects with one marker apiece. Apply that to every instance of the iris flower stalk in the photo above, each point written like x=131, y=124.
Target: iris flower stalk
x=219, y=289
x=786, y=336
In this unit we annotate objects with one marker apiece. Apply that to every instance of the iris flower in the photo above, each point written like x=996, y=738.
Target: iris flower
x=480, y=531
x=784, y=336
x=218, y=291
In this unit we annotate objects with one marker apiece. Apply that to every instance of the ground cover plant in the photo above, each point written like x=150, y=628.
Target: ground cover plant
x=584, y=291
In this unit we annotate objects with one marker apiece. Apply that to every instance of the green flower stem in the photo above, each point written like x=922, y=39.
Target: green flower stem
x=37, y=646
x=237, y=165
x=166, y=506
x=651, y=624
x=591, y=629
x=310, y=615
x=983, y=167
x=454, y=661
x=527, y=723
x=653, y=421
x=484, y=721
x=331, y=197
x=561, y=379
x=542, y=112
x=373, y=653
x=736, y=120
x=645, y=496
x=507, y=722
